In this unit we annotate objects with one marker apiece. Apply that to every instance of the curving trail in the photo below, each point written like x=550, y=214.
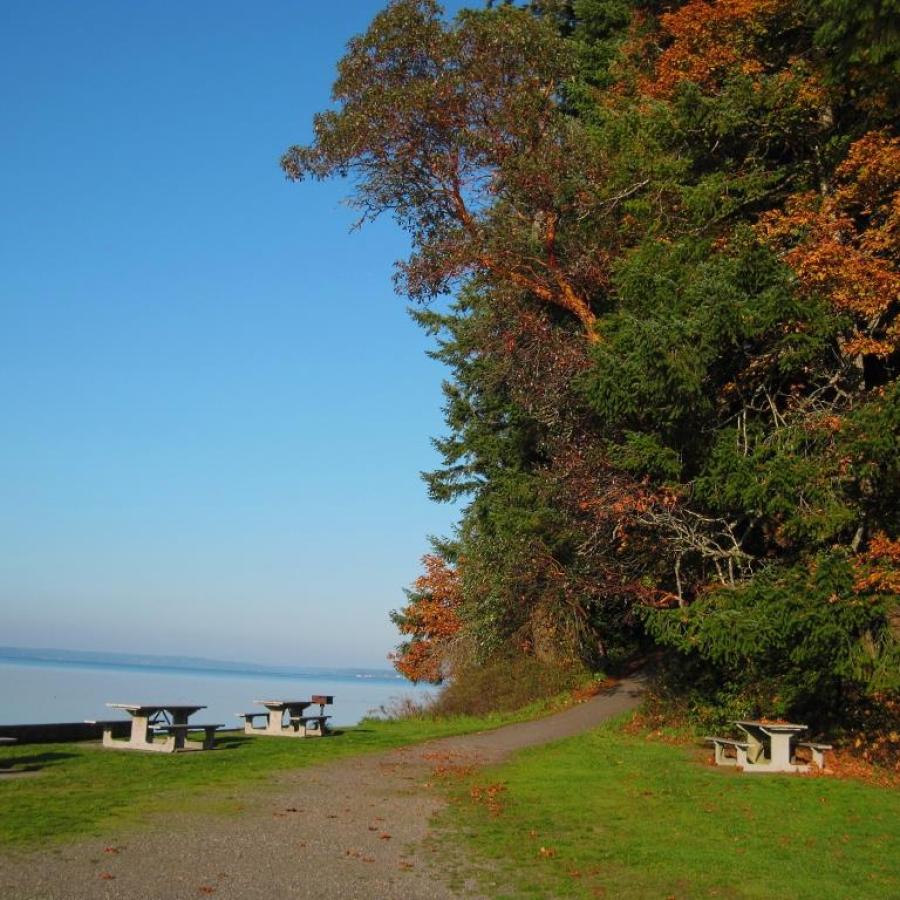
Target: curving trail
x=357, y=828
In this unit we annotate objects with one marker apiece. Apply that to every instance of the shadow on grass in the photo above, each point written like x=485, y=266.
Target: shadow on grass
x=238, y=741
x=34, y=762
x=231, y=743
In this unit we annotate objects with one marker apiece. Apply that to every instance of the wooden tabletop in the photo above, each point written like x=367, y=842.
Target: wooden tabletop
x=156, y=707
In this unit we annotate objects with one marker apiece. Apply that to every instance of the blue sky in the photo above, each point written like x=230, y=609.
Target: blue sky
x=214, y=407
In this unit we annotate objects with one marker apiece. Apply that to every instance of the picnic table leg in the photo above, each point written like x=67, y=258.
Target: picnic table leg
x=209, y=738
x=756, y=750
x=273, y=722
x=179, y=717
x=107, y=735
x=248, y=725
x=781, y=752
x=140, y=732
x=721, y=758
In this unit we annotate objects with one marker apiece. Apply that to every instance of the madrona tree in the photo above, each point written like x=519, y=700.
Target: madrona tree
x=458, y=131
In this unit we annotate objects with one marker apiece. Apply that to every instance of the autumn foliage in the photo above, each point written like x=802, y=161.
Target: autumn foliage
x=670, y=236
x=706, y=41
x=431, y=620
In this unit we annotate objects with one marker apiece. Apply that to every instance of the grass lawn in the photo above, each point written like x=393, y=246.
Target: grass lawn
x=82, y=789
x=609, y=814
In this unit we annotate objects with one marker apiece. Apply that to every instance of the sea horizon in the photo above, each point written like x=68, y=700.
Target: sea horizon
x=38, y=689
x=185, y=662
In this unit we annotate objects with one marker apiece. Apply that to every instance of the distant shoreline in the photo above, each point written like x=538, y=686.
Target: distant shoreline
x=183, y=663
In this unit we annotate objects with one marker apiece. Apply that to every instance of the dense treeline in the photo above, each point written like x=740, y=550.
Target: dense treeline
x=670, y=236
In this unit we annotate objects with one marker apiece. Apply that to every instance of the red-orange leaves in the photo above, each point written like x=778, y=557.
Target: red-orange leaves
x=709, y=39
x=846, y=245
x=431, y=620
x=878, y=569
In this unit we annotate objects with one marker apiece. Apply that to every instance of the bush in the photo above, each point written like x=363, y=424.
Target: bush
x=506, y=683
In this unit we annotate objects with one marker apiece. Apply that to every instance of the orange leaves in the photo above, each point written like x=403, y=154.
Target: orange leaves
x=431, y=620
x=709, y=39
x=435, y=613
x=489, y=796
x=878, y=569
x=846, y=246
x=418, y=661
x=868, y=178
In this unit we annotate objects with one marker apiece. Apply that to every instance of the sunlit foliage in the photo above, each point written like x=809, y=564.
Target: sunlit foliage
x=671, y=232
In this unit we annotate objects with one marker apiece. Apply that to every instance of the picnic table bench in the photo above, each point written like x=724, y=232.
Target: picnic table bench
x=318, y=727
x=181, y=731
x=816, y=751
x=721, y=745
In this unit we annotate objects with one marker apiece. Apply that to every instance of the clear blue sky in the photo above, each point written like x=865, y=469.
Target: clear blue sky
x=214, y=408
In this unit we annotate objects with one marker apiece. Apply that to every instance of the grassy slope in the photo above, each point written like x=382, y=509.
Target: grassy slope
x=80, y=788
x=621, y=816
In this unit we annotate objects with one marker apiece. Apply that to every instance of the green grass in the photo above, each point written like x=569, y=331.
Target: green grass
x=82, y=789
x=621, y=816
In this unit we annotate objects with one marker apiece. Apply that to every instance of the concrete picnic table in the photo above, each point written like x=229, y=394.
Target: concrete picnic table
x=148, y=719
x=768, y=747
x=774, y=736
x=298, y=724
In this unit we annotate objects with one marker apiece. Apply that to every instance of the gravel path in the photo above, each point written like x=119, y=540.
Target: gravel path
x=357, y=828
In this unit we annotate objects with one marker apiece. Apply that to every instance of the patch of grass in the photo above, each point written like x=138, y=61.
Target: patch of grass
x=614, y=814
x=81, y=789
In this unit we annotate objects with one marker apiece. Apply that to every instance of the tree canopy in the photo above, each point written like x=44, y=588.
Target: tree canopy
x=672, y=236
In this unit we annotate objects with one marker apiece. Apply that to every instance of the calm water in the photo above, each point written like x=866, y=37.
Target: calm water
x=70, y=692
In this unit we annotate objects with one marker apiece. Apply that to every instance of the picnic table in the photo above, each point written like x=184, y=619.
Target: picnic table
x=768, y=747
x=150, y=720
x=298, y=724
